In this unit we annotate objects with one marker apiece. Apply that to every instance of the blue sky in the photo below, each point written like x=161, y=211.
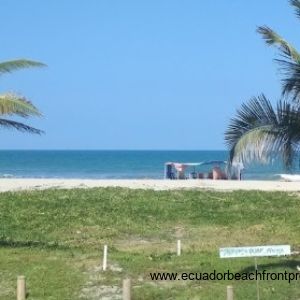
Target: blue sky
x=139, y=74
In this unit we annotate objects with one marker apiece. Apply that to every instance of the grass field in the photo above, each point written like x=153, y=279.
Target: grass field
x=55, y=238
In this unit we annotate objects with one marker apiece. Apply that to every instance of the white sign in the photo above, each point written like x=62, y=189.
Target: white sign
x=273, y=250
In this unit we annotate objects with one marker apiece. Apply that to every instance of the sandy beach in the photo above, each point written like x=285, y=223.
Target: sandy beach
x=13, y=184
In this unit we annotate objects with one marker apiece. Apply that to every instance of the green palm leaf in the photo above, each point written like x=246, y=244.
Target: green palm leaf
x=254, y=145
x=250, y=126
x=258, y=132
x=14, y=104
x=289, y=65
x=13, y=65
x=272, y=38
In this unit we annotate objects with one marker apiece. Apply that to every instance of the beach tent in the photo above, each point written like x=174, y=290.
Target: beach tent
x=180, y=167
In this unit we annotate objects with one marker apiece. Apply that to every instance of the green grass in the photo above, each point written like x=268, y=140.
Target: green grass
x=55, y=238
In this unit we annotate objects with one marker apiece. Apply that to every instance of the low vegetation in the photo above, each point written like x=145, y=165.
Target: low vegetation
x=55, y=238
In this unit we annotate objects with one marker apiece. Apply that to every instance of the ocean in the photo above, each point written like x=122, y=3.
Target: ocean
x=110, y=164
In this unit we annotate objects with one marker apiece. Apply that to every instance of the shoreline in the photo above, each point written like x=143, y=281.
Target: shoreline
x=19, y=184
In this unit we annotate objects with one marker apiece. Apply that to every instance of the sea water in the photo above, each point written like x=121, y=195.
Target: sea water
x=113, y=164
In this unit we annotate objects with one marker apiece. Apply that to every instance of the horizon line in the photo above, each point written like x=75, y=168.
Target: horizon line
x=82, y=149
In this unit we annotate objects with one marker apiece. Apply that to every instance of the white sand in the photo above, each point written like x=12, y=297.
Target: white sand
x=12, y=184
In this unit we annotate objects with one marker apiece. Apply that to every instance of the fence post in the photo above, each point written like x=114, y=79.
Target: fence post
x=105, y=258
x=229, y=292
x=21, y=288
x=178, y=247
x=127, y=289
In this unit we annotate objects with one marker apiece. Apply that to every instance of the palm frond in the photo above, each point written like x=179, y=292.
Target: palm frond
x=296, y=4
x=254, y=145
x=19, y=126
x=258, y=132
x=291, y=80
x=14, y=104
x=13, y=65
x=257, y=112
x=289, y=126
x=272, y=38
x=252, y=122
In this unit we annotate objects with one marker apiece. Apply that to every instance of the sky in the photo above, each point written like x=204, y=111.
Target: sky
x=159, y=74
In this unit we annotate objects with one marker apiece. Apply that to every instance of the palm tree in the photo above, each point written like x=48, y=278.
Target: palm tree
x=13, y=104
x=259, y=131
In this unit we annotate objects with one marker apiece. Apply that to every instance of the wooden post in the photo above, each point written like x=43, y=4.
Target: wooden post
x=257, y=279
x=229, y=292
x=127, y=289
x=105, y=258
x=178, y=247
x=21, y=288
